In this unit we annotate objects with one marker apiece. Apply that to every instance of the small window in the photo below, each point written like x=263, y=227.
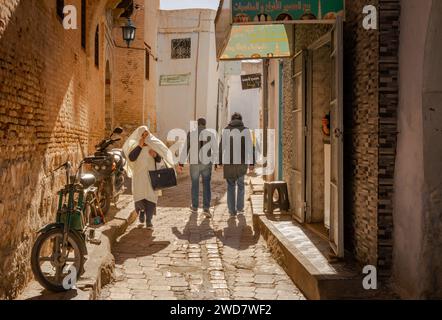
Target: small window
x=83, y=24
x=60, y=7
x=147, y=65
x=181, y=48
x=97, y=47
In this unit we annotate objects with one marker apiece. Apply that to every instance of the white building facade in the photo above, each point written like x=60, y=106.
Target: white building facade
x=188, y=72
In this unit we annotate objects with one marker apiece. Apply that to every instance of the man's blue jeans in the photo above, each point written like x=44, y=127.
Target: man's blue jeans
x=205, y=171
x=235, y=198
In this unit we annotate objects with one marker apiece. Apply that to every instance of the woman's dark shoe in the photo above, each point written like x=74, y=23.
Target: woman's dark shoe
x=141, y=218
x=149, y=226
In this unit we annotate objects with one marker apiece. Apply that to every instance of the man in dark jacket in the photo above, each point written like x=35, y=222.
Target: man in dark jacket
x=236, y=155
x=200, y=164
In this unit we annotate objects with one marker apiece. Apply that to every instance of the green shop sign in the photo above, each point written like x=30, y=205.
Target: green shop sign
x=247, y=11
x=259, y=41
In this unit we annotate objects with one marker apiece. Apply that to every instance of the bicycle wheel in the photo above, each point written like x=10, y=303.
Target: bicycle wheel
x=53, y=270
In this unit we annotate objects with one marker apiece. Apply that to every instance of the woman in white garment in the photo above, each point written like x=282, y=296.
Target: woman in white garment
x=143, y=151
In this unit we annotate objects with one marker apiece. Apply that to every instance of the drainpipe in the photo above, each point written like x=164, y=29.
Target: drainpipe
x=265, y=104
x=196, y=67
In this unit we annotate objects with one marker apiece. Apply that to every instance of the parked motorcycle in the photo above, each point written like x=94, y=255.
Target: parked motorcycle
x=61, y=246
x=108, y=168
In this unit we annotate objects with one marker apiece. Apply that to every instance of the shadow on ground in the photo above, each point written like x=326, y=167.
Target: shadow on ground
x=132, y=247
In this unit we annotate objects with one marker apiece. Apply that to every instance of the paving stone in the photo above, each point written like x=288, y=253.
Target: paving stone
x=120, y=296
x=240, y=295
x=159, y=288
x=245, y=288
x=117, y=290
x=268, y=291
x=135, y=276
x=162, y=293
x=142, y=297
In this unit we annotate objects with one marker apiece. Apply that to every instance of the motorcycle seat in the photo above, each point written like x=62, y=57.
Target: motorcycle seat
x=87, y=180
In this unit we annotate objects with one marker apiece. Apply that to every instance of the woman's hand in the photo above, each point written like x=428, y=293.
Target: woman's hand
x=153, y=154
x=142, y=142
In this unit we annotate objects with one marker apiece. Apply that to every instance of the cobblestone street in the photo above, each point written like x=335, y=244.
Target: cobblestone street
x=188, y=256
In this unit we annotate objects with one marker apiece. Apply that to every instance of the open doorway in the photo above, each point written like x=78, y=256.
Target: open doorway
x=318, y=147
x=316, y=181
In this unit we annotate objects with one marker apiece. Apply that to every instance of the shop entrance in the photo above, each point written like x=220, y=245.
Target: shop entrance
x=317, y=167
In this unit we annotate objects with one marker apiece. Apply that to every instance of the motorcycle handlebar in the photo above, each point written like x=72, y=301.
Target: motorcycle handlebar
x=106, y=143
x=66, y=165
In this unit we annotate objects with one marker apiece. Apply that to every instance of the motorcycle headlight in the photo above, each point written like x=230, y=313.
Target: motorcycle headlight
x=97, y=168
x=103, y=168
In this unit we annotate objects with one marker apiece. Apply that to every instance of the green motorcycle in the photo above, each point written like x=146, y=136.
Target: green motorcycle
x=60, y=250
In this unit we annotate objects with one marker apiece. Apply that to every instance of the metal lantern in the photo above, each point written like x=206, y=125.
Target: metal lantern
x=129, y=32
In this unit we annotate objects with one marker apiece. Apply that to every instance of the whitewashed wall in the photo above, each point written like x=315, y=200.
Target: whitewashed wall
x=177, y=105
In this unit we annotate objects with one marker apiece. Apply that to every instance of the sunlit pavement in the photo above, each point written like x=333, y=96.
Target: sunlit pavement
x=188, y=256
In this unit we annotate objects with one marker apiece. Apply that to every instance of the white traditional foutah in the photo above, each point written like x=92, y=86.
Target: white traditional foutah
x=139, y=170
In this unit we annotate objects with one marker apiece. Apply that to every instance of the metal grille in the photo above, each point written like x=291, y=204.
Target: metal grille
x=181, y=48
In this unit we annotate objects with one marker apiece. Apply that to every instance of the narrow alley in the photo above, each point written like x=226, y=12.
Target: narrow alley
x=334, y=106
x=191, y=257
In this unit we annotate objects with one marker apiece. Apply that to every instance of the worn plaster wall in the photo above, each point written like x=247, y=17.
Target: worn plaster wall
x=417, y=203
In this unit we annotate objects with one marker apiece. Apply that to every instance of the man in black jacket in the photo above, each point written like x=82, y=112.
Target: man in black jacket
x=236, y=155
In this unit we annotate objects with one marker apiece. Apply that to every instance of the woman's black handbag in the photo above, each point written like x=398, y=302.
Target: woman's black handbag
x=162, y=179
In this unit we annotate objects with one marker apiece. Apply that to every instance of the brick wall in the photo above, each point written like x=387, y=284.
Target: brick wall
x=389, y=12
x=371, y=103
x=129, y=78
x=44, y=121
x=361, y=121
x=52, y=109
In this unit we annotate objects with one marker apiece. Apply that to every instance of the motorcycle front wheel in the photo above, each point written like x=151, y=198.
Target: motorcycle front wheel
x=53, y=270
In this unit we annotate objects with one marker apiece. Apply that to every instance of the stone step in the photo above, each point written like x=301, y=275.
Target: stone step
x=304, y=255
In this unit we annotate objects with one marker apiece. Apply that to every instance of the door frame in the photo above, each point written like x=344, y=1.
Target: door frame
x=280, y=121
x=322, y=41
x=302, y=207
x=337, y=141
x=335, y=38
